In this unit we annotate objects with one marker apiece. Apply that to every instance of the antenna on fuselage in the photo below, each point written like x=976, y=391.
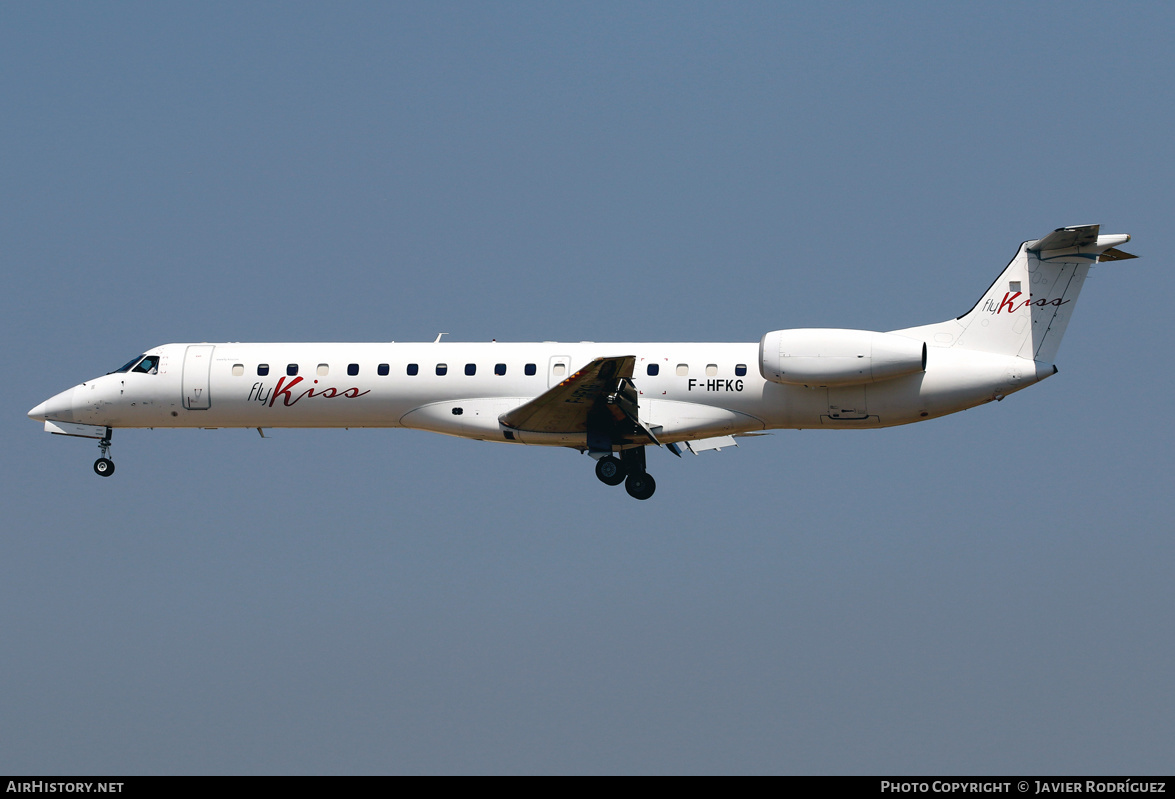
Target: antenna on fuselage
x=438, y=341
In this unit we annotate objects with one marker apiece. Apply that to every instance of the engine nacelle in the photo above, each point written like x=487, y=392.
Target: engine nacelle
x=834, y=357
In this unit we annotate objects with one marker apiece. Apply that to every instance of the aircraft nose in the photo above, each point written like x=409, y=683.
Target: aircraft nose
x=58, y=407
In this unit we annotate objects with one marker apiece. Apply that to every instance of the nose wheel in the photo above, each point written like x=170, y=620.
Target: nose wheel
x=104, y=467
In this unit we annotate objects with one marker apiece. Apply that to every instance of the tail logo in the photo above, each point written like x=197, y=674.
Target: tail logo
x=1012, y=303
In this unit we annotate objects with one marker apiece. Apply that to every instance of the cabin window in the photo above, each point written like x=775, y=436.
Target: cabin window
x=323, y=370
x=262, y=369
x=711, y=369
x=458, y=411
x=1014, y=286
x=682, y=369
x=238, y=369
x=471, y=369
x=352, y=369
x=442, y=368
x=654, y=369
x=500, y=369
x=382, y=370
x=126, y=367
x=529, y=369
x=741, y=370
x=292, y=369
x=413, y=369
x=559, y=370
x=149, y=365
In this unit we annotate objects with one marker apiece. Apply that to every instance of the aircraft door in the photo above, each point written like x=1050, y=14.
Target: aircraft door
x=558, y=370
x=197, y=365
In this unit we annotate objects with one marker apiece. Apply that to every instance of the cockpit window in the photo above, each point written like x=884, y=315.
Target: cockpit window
x=149, y=365
x=128, y=366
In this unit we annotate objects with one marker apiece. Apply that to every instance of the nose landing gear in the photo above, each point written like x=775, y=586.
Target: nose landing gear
x=104, y=467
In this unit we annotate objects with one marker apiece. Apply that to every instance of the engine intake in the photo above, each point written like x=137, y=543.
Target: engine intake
x=836, y=357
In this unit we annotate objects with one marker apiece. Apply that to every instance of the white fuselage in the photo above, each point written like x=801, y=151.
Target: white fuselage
x=699, y=390
x=612, y=400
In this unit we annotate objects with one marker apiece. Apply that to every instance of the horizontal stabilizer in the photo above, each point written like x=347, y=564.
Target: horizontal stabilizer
x=1079, y=244
x=1064, y=237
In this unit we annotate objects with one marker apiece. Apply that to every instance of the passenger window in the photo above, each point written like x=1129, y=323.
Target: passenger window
x=382, y=370
x=500, y=369
x=560, y=369
x=238, y=369
x=323, y=370
x=471, y=369
x=442, y=368
x=149, y=365
x=741, y=370
x=352, y=369
x=682, y=369
x=292, y=369
x=711, y=369
x=654, y=369
x=529, y=369
x=262, y=369
x=413, y=369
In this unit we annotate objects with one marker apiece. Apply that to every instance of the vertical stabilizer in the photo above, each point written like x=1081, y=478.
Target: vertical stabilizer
x=1026, y=310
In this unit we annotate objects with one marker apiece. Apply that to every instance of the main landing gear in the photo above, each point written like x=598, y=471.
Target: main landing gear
x=104, y=467
x=629, y=469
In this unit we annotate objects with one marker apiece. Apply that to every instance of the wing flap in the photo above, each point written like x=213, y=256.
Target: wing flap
x=706, y=444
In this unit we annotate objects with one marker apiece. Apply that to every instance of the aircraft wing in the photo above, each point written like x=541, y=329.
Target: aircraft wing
x=565, y=408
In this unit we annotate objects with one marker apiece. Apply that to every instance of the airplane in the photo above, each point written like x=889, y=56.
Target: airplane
x=611, y=400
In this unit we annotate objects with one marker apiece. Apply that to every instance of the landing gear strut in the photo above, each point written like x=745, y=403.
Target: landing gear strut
x=104, y=467
x=629, y=469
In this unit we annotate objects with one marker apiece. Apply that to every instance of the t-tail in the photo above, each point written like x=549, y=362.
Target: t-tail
x=1026, y=310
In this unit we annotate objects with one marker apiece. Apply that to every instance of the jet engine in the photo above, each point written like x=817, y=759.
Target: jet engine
x=832, y=357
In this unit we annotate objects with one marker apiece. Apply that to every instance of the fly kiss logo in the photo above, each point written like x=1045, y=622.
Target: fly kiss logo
x=1012, y=303
x=284, y=391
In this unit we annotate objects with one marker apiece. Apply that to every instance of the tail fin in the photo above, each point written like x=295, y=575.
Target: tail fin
x=1026, y=310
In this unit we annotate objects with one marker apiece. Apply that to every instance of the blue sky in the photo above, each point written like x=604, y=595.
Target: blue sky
x=985, y=593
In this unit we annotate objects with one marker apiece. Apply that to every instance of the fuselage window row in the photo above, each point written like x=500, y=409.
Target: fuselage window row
x=653, y=369
x=413, y=369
